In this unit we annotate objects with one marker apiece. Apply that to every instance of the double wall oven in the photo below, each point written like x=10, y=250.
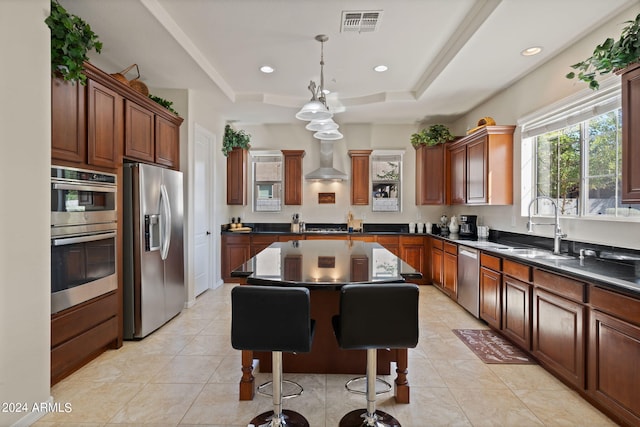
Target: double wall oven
x=83, y=235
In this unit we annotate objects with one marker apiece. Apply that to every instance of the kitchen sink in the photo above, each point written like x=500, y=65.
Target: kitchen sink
x=532, y=253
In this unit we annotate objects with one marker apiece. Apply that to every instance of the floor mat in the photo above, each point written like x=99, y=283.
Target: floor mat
x=491, y=348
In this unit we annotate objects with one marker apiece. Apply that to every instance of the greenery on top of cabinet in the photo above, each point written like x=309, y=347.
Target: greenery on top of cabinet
x=610, y=55
x=71, y=39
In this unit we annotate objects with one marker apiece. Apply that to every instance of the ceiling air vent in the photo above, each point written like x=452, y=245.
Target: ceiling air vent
x=360, y=21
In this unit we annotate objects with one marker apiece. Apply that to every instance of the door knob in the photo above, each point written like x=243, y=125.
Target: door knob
x=208, y=232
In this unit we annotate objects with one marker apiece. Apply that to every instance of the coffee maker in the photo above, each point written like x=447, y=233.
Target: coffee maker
x=468, y=227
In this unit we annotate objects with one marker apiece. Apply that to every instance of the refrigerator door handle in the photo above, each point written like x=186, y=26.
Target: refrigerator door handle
x=165, y=209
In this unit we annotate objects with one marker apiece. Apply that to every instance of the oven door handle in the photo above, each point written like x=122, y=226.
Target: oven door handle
x=96, y=188
x=82, y=239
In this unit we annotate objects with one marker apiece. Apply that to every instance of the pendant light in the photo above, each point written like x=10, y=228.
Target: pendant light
x=316, y=108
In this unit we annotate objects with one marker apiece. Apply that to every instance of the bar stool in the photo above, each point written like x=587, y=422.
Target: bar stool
x=372, y=317
x=275, y=319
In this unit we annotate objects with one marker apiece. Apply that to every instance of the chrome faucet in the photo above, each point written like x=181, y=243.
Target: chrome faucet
x=557, y=233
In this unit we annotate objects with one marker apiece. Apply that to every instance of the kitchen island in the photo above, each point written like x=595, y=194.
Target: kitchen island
x=324, y=266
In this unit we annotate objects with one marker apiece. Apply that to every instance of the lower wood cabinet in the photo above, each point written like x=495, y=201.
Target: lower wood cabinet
x=390, y=243
x=81, y=333
x=613, y=354
x=236, y=250
x=261, y=242
x=558, y=335
x=516, y=303
x=450, y=270
x=437, y=263
x=413, y=251
x=491, y=290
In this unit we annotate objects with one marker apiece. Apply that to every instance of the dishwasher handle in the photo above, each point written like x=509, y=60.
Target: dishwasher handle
x=468, y=253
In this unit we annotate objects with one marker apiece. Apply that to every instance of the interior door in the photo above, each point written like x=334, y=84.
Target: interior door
x=204, y=141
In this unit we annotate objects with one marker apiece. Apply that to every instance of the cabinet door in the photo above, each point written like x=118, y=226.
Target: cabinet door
x=360, y=176
x=105, y=129
x=259, y=243
x=490, y=297
x=437, y=260
x=235, y=252
x=68, y=121
x=360, y=271
x=516, y=311
x=558, y=335
x=477, y=171
x=412, y=251
x=167, y=143
x=237, y=177
x=631, y=136
x=139, y=130
x=293, y=176
x=458, y=159
x=430, y=170
x=390, y=243
x=450, y=275
x=614, y=377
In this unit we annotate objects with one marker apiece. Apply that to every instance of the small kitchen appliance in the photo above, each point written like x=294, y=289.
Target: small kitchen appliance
x=468, y=227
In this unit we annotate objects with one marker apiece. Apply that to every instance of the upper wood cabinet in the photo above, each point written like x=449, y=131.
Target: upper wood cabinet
x=139, y=138
x=430, y=175
x=150, y=137
x=101, y=122
x=104, y=125
x=237, y=177
x=167, y=142
x=631, y=134
x=457, y=160
x=360, y=176
x=293, y=176
x=481, y=167
x=68, y=121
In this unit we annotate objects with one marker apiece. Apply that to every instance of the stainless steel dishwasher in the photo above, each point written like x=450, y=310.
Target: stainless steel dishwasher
x=469, y=279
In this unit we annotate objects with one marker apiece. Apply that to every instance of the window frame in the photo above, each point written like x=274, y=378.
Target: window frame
x=575, y=109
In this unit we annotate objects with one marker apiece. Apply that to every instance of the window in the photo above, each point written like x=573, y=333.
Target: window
x=574, y=156
x=267, y=181
x=386, y=178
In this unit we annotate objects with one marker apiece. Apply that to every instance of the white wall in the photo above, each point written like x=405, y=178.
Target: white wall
x=535, y=91
x=25, y=137
x=356, y=137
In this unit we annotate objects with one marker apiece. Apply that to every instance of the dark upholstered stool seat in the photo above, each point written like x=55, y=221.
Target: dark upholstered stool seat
x=375, y=316
x=275, y=319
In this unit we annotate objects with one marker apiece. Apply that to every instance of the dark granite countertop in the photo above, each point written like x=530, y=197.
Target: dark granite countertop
x=611, y=267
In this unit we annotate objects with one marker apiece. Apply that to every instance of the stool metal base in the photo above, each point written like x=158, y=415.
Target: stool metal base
x=359, y=418
x=288, y=419
x=297, y=387
x=386, y=387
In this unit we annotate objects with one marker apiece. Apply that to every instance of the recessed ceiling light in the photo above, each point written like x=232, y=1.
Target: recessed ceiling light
x=267, y=69
x=530, y=51
x=380, y=68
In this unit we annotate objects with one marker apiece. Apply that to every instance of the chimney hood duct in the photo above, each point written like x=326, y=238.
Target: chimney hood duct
x=326, y=171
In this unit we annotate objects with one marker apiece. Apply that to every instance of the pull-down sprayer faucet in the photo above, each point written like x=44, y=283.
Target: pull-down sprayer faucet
x=557, y=232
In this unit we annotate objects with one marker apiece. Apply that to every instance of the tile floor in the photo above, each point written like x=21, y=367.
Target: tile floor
x=187, y=374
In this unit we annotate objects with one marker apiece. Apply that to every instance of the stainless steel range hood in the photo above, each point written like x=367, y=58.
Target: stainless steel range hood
x=326, y=171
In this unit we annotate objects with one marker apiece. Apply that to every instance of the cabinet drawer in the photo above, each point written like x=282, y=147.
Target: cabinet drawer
x=387, y=240
x=489, y=261
x=263, y=239
x=412, y=240
x=621, y=306
x=76, y=321
x=236, y=239
x=437, y=244
x=517, y=270
x=450, y=248
x=561, y=285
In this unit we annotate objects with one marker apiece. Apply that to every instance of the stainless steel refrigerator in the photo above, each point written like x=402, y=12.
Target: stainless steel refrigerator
x=154, y=287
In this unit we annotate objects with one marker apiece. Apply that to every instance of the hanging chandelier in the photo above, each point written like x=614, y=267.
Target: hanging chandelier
x=316, y=110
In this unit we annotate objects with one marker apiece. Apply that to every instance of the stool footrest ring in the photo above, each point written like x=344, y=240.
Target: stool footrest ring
x=386, y=387
x=298, y=389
